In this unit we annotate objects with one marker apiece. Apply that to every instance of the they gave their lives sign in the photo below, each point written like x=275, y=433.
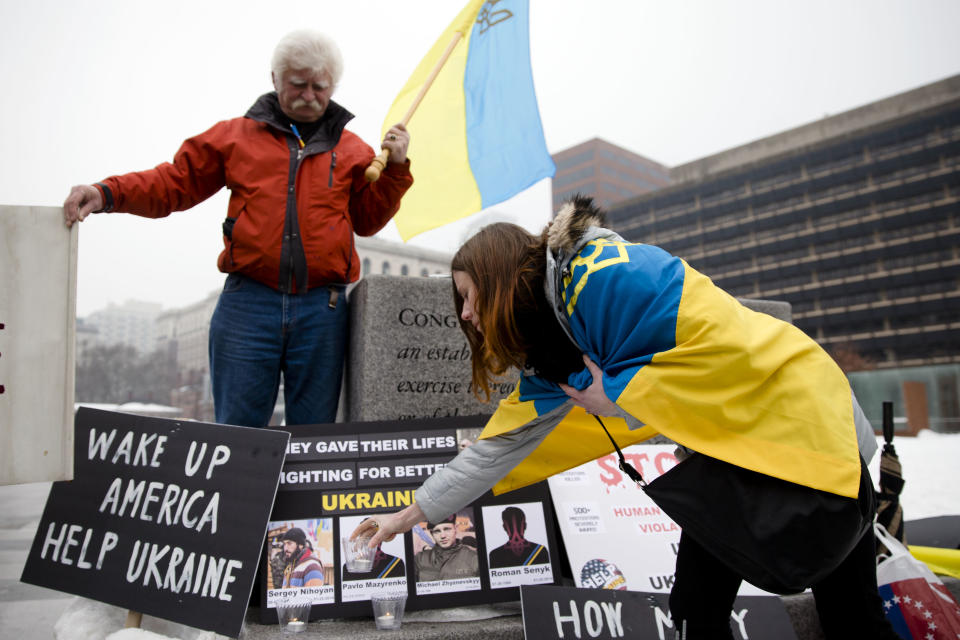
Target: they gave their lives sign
x=163, y=517
x=337, y=475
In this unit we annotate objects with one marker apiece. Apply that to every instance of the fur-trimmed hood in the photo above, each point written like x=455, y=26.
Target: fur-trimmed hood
x=572, y=222
x=578, y=222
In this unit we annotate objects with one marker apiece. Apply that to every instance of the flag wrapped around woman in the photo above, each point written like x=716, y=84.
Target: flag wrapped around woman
x=605, y=327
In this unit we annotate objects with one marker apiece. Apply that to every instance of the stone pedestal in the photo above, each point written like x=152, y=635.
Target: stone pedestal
x=800, y=608
x=775, y=308
x=407, y=356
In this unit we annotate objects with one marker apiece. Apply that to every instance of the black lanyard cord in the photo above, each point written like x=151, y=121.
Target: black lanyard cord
x=625, y=466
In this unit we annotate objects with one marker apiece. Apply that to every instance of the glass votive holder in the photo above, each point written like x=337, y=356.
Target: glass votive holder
x=293, y=616
x=388, y=609
x=357, y=555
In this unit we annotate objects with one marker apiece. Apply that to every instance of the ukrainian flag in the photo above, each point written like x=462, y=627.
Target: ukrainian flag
x=689, y=361
x=476, y=139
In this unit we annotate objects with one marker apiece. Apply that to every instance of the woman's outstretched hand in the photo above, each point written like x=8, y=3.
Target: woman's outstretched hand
x=593, y=398
x=386, y=526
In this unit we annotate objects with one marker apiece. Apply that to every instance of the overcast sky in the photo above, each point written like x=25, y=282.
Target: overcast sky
x=102, y=87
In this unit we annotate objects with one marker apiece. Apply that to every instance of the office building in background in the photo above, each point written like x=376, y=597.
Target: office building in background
x=854, y=220
x=607, y=173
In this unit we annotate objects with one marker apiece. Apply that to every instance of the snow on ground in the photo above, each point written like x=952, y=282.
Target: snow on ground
x=90, y=620
x=931, y=469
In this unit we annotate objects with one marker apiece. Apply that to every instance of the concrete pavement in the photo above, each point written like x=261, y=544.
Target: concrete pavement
x=26, y=612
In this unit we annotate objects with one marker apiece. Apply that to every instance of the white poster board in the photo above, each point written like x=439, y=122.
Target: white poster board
x=38, y=284
x=616, y=537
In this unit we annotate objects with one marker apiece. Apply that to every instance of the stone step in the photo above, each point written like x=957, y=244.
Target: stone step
x=800, y=608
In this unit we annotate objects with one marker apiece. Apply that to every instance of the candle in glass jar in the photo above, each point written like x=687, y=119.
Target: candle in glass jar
x=296, y=625
x=387, y=620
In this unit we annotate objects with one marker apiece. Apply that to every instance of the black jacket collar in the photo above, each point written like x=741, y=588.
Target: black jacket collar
x=267, y=109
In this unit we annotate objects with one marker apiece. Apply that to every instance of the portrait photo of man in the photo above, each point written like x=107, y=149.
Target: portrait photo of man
x=299, y=558
x=388, y=570
x=448, y=558
x=385, y=565
x=302, y=568
x=517, y=550
x=516, y=536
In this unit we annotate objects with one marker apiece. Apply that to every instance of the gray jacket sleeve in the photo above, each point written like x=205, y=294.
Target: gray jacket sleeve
x=478, y=467
x=866, y=438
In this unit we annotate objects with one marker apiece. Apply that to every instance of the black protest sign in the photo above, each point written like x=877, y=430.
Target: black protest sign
x=163, y=517
x=331, y=482
x=404, y=444
x=552, y=613
x=365, y=445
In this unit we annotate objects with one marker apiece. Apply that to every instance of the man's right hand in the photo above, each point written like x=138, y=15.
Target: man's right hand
x=83, y=200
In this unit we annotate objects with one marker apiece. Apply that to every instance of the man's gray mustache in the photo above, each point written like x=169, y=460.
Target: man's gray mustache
x=312, y=104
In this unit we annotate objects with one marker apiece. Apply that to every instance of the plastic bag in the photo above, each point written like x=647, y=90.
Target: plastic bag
x=916, y=602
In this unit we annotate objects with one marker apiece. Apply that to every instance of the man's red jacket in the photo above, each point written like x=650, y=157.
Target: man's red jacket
x=292, y=211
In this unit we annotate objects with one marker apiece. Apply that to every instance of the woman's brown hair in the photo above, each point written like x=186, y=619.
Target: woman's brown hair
x=518, y=329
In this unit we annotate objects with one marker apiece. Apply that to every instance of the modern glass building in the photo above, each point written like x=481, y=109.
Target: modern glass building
x=604, y=171
x=854, y=220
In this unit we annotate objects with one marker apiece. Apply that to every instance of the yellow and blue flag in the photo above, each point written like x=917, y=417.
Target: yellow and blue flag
x=476, y=138
x=690, y=362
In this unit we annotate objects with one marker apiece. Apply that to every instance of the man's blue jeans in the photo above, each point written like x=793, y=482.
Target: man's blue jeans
x=257, y=334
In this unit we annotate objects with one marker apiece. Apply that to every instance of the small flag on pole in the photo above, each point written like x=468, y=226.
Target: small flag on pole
x=476, y=138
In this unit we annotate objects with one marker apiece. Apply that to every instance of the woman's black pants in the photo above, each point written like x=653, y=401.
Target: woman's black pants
x=847, y=600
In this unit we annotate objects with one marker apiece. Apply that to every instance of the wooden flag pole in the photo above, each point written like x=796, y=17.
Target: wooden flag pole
x=134, y=618
x=372, y=173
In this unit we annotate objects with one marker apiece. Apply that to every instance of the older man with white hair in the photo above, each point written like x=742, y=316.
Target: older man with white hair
x=298, y=195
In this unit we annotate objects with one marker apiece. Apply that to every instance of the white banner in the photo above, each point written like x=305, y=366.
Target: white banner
x=38, y=284
x=616, y=537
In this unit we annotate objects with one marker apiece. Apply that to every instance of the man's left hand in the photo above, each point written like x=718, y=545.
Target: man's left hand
x=593, y=398
x=396, y=141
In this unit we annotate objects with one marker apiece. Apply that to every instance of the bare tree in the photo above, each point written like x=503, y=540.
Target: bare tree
x=119, y=373
x=849, y=358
